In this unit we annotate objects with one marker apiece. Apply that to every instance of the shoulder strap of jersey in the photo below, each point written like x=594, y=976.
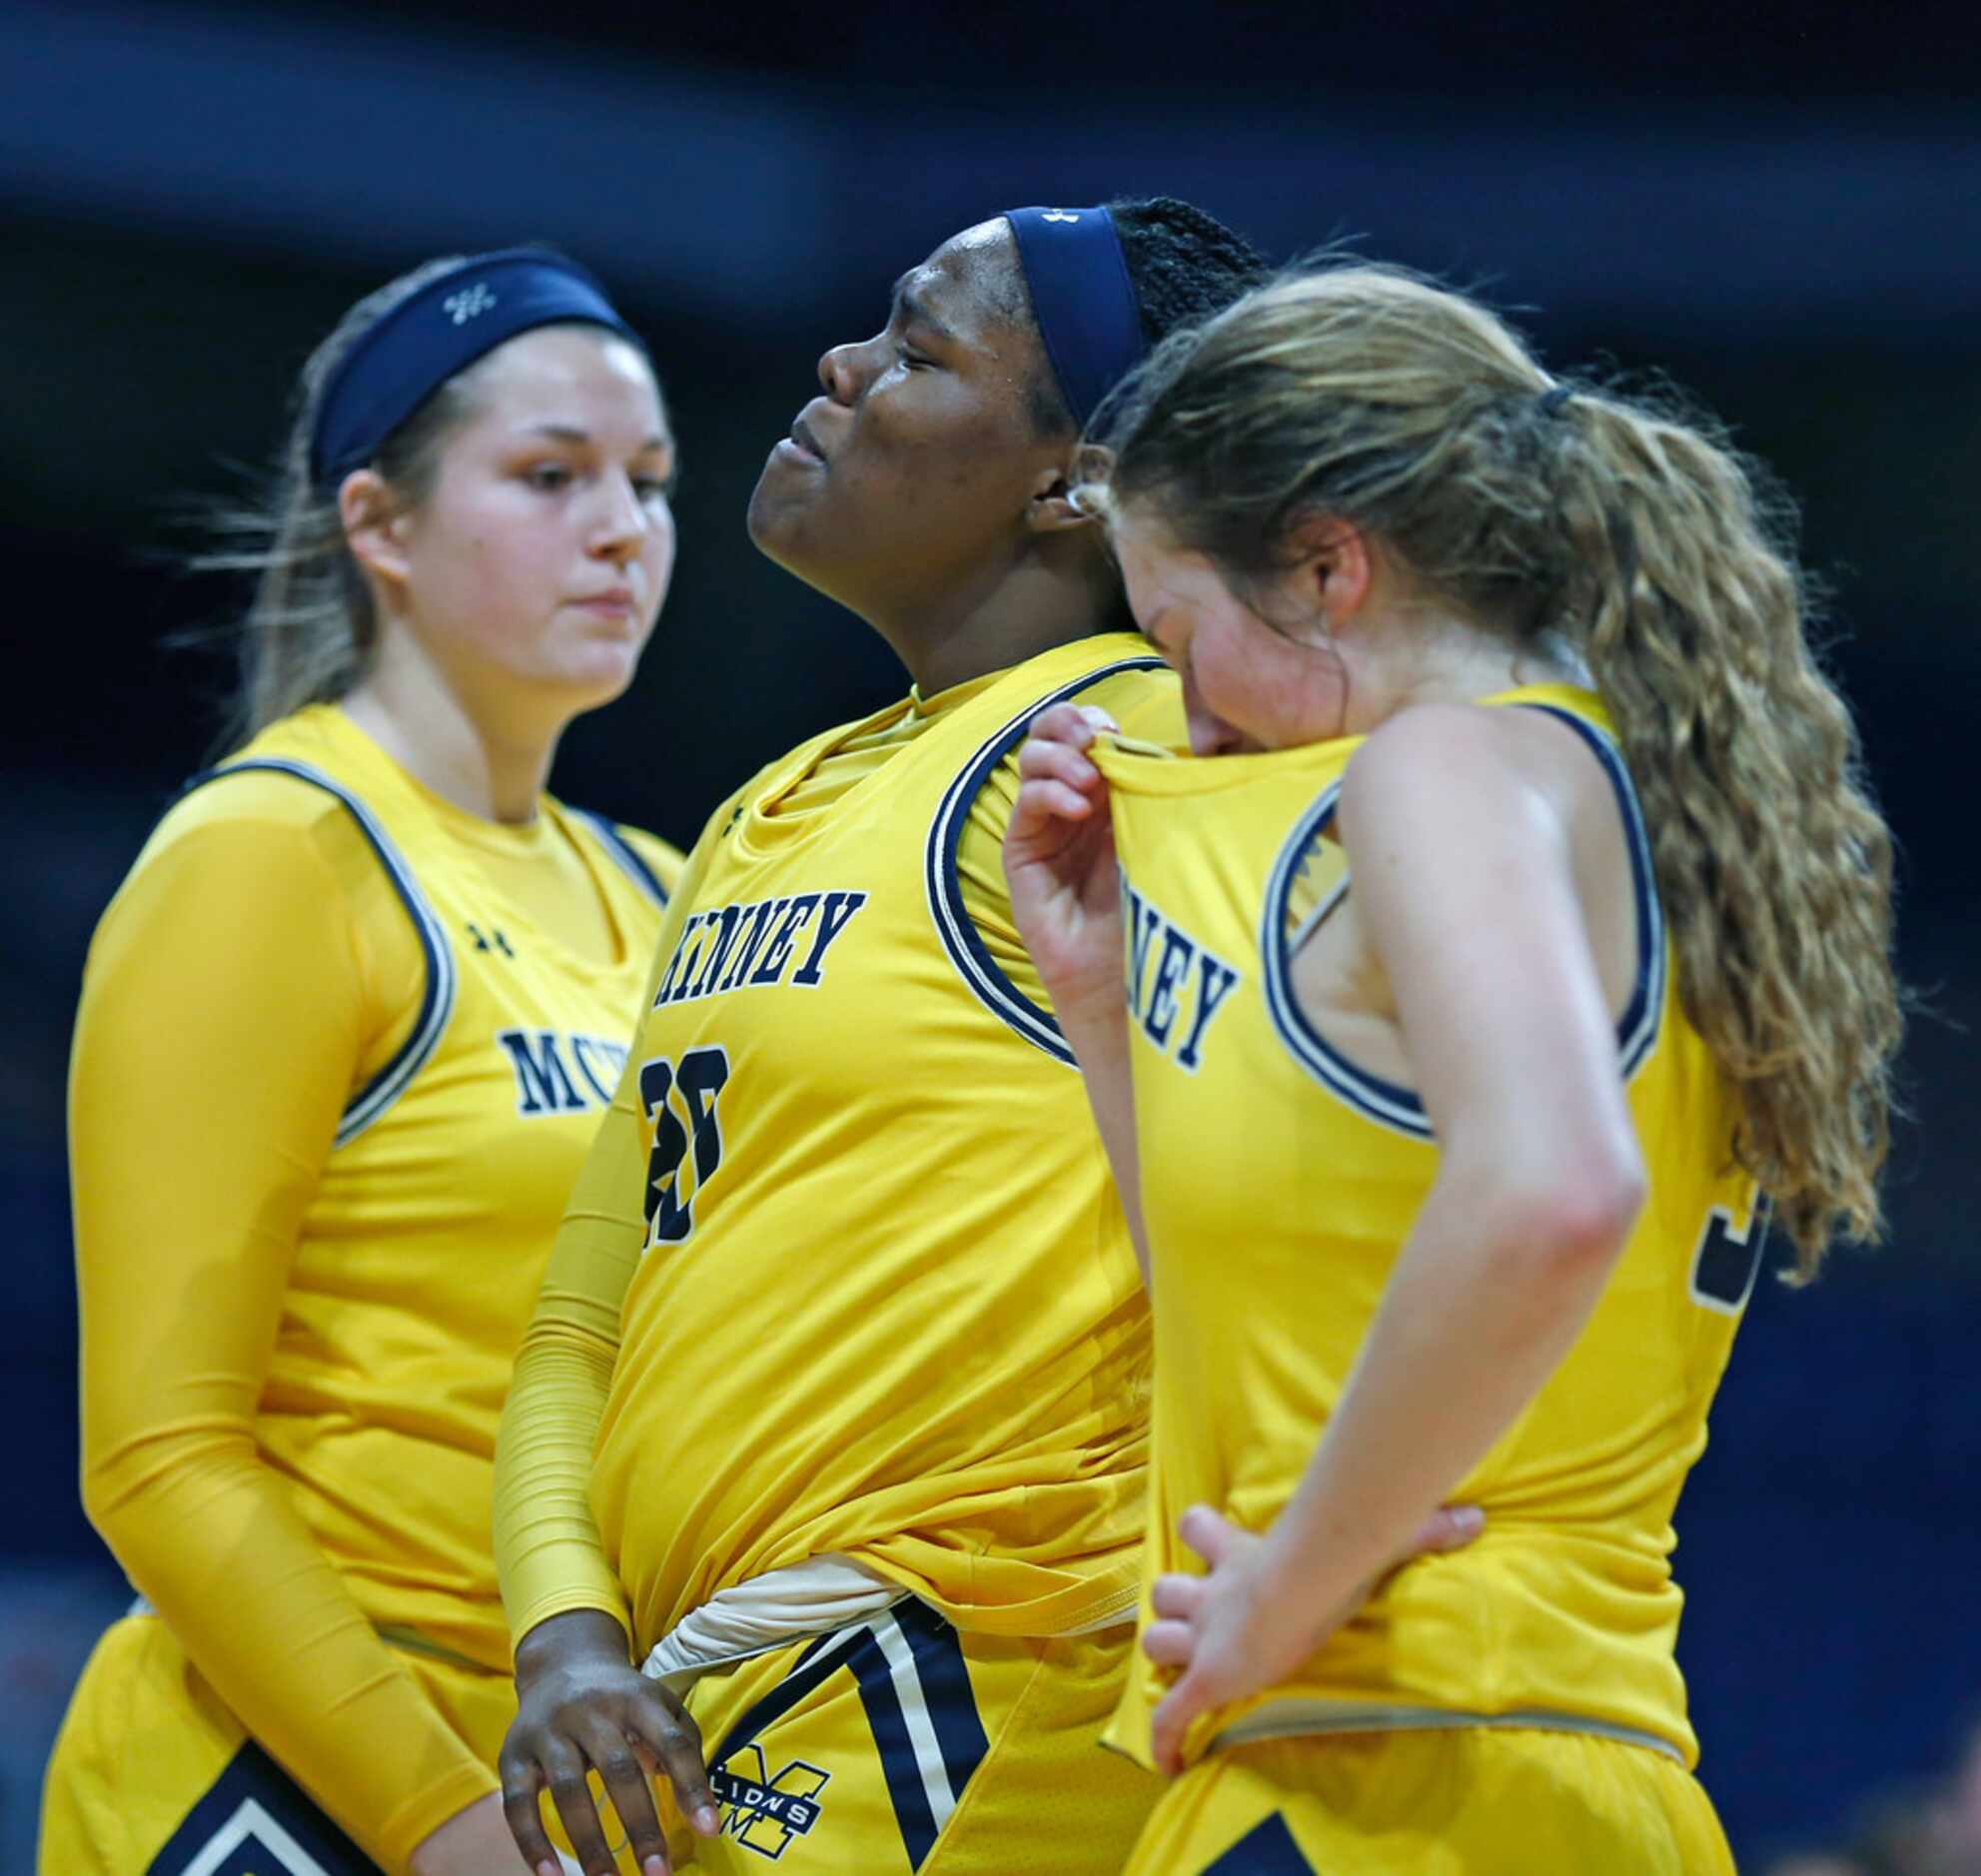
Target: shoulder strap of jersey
x=1636, y=1029
x=623, y=853
x=953, y=924
x=437, y=1001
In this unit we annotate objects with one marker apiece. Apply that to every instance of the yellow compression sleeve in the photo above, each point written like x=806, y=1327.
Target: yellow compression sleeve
x=549, y=1556
x=232, y=993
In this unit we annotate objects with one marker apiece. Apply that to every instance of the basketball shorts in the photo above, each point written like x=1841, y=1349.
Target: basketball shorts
x=900, y=1745
x=153, y=1776
x=1474, y=1801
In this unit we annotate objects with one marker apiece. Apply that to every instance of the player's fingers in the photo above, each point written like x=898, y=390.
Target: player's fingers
x=1170, y=1721
x=1059, y=761
x=675, y=1739
x=1064, y=722
x=1206, y=1533
x=1449, y=1527
x=1169, y=1644
x=1178, y=1596
x=619, y=1766
x=520, y=1783
x=1098, y=719
x=564, y=1772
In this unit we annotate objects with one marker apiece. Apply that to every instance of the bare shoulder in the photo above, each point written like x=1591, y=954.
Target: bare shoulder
x=1434, y=756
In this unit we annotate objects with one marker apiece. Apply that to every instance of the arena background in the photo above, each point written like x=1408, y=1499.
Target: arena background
x=1781, y=209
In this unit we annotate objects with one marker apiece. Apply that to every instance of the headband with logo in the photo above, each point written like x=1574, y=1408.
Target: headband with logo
x=457, y=318
x=1083, y=299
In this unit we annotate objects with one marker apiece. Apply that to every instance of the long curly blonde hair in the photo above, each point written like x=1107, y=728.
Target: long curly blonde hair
x=1642, y=539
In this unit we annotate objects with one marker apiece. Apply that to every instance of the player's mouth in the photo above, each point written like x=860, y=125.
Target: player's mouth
x=801, y=445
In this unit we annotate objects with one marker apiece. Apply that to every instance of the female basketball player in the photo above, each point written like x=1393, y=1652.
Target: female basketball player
x=1527, y=923
x=346, y=1033
x=833, y=1411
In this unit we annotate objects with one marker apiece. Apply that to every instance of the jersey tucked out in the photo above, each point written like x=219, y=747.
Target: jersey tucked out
x=1278, y=1181
x=846, y=1274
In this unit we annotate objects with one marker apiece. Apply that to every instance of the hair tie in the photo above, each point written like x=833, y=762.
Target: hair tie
x=1553, y=403
x=457, y=318
x=1083, y=300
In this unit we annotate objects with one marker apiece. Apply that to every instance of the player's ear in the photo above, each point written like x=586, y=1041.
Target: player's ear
x=1334, y=568
x=1049, y=507
x=374, y=523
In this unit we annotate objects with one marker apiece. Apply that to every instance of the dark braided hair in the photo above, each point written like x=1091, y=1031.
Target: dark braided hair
x=1183, y=265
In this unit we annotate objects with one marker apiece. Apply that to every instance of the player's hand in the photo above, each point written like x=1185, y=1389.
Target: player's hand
x=1233, y=1631
x=1059, y=859
x=582, y=1706
x=473, y=1842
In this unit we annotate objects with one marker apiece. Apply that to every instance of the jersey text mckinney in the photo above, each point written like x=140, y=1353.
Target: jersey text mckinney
x=730, y=947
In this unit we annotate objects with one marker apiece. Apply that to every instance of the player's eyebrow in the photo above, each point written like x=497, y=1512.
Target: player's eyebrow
x=907, y=301
x=572, y=434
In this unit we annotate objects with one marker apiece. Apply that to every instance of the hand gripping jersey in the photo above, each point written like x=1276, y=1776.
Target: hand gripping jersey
x=1278, y=1181
x=885, y=1303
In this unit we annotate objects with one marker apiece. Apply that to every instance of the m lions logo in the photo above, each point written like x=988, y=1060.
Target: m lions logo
x=763, y=1813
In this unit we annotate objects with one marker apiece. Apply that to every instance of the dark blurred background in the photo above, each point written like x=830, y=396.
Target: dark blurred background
x=1781, y=210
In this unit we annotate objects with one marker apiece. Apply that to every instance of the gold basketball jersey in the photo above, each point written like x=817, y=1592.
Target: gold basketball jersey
x=421, y=1254
x=1278, y=1181
x=887, y=1304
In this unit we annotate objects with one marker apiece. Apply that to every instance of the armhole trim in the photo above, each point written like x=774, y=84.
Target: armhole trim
x=437, y=1001
x=953, y=923
x=1387, y=1103
x=624, y=854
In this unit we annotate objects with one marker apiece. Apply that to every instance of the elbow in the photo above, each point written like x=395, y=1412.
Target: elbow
x=1570, y=1222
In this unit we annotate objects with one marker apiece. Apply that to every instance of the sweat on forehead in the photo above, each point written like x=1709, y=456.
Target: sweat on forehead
x=983, y=262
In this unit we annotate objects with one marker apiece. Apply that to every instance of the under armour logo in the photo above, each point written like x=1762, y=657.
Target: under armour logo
x=463, y=306
x=1059, y=215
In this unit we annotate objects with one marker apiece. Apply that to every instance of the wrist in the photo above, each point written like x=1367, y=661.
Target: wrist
x=573, y=1636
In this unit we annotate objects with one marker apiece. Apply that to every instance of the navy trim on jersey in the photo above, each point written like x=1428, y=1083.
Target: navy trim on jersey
x=623, y=851
x=914, y=1685
x=1387, y=1103
x=255, y=1821
x=436, y=1002
x=953, y=923
x=1268, y=1850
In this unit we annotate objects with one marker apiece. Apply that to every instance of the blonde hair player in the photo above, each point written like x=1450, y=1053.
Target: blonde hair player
x=1527, y=924
x=347, y=1031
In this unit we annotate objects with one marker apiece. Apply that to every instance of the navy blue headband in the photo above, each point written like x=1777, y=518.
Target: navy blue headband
x=457, y=318
x=1083, y=299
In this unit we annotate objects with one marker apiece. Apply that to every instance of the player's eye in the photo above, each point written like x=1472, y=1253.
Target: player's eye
x=548, y=476
x=654, y=487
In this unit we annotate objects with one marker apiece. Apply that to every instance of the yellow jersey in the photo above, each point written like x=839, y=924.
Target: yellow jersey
x=341, y=1052
x=1278, y=1183
x=847, y=1249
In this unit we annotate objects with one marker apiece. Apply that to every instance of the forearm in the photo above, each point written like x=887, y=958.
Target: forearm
x=207, y=1532
x=1489, y=1294
x=548, y=1554
x=1096, y=1030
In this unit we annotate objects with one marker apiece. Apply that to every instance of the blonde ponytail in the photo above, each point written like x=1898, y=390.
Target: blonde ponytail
x=1371, y=395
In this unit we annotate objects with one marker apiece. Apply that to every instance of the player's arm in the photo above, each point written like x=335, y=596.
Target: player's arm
x=1463, y=878
x=222, y=1019
x=1064, y=900
x=583, y=1705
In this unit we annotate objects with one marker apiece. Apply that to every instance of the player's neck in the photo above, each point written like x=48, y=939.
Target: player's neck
x=1024, y=611
x=470, y=757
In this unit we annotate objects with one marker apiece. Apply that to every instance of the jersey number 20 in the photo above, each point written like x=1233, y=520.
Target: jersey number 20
x=700, y=1076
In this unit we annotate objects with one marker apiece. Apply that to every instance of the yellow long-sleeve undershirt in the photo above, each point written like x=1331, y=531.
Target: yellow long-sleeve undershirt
x=256, y=969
